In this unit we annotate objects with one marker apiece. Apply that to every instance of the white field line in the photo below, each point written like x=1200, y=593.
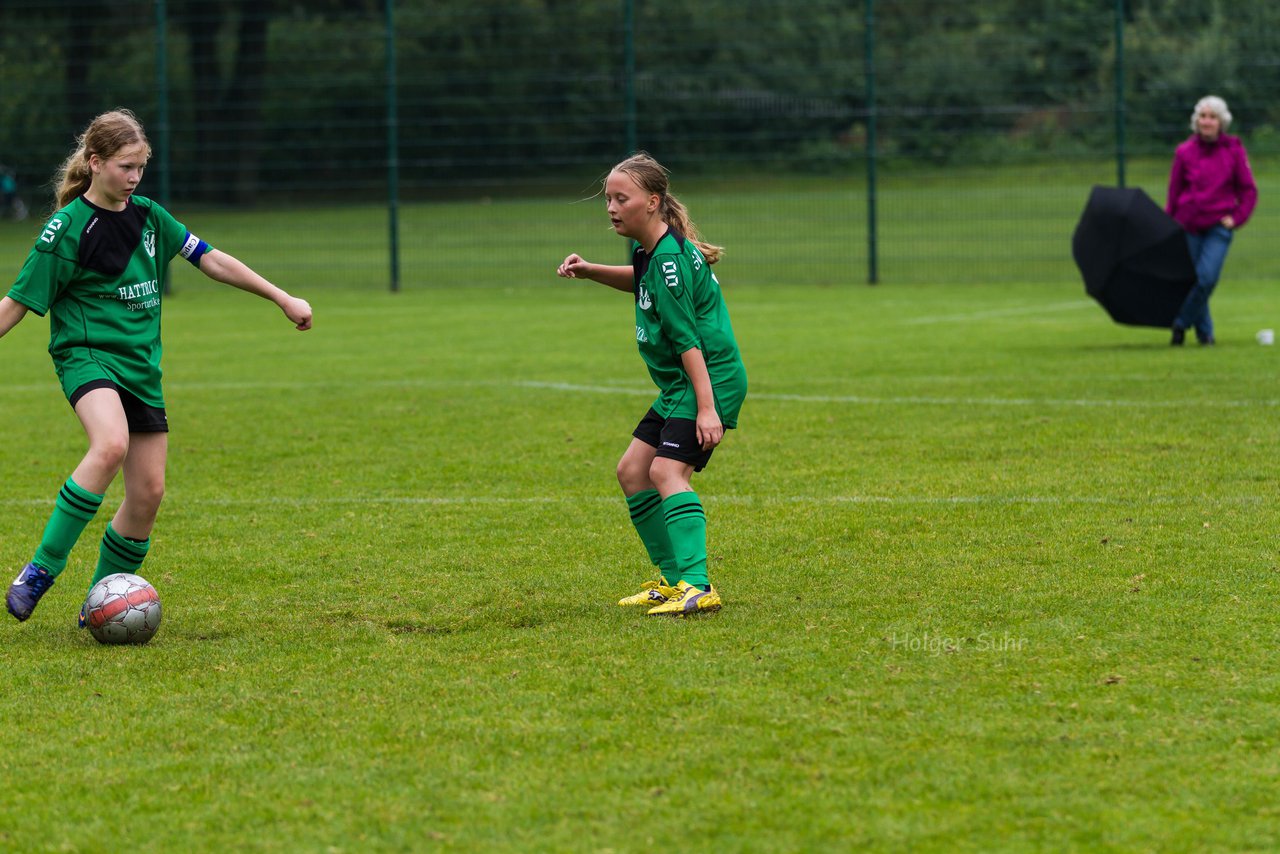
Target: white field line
x=864, y=400
x=749, y=500
x=633, y=391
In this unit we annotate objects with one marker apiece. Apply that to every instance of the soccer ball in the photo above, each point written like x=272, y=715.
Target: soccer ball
x=122, y=608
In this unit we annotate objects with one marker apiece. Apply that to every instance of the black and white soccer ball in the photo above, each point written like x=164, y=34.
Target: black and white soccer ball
x=122, y=608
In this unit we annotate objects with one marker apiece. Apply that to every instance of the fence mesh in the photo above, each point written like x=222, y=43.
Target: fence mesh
x=930, y=141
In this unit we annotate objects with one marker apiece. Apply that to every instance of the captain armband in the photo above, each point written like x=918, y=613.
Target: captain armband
x=193, y=249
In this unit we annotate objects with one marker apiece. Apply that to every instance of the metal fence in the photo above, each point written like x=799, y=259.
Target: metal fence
x=901, y=141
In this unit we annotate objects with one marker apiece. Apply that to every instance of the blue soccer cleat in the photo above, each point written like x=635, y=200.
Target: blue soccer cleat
x=26, y=590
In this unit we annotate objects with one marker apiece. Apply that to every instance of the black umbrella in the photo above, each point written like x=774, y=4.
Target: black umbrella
x=1133, y=256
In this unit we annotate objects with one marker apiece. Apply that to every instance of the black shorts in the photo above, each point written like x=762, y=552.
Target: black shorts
x=675, y=439
x=141, y=417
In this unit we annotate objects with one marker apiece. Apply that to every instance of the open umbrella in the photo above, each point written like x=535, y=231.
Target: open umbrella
x=1133, y=257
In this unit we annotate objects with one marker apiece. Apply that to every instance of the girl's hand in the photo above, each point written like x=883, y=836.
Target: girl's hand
x=709, y=428
x=1229, y=221
x=573, y=267
x=298, y=311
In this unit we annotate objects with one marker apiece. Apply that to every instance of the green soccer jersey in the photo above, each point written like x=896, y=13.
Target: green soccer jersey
x=679, y=307
x=99, y=275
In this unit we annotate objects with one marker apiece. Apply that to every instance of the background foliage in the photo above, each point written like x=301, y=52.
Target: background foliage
x=284, y=104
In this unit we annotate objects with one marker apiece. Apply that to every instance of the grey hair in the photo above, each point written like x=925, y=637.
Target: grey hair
x=1215, y=105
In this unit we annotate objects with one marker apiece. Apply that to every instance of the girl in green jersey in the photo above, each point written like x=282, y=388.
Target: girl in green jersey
x=687, y=343
x=98, y=271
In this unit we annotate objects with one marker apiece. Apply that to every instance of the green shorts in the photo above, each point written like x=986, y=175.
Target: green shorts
x=78, y=366
x=679, y=400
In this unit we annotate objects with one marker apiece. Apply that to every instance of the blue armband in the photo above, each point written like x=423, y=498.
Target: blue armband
x=193, y=249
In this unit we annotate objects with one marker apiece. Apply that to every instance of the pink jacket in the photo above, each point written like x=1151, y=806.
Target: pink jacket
x=1210, y=180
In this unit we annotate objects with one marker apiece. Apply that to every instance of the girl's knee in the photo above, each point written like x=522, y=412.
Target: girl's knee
x=627, y=476
x=633, y=475
x=148, y=493
x=669, y=475
x=109, y=451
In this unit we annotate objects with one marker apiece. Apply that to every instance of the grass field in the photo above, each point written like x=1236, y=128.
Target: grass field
x=999, y=575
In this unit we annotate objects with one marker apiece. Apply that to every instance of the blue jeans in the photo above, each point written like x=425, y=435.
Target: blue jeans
x=1209, y=252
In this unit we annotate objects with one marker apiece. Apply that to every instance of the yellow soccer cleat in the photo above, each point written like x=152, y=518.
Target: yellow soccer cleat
x=687, y=601
x=651, y=593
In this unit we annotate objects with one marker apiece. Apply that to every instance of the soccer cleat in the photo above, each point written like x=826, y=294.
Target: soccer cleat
x=688, y=600
x=651, y=593
x=83, y=619
x=26, y=590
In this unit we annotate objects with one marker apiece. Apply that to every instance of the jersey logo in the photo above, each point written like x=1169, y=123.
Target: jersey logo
x=645, y=302
x=149, y=242
x=670, y=274
x=53, y=231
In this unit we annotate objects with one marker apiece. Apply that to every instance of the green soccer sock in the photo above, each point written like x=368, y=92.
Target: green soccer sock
x=687, y=527
x=646, y=515
x=71, y=512
x=119, y=554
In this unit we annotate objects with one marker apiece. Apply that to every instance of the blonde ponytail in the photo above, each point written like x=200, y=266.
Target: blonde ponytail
x=73, y=177
x=676, y=215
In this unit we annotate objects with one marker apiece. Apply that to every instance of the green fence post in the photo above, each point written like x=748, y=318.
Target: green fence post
x=162, y=102
x=393, y=149
x=1120, y=117
x=869, y=58
x=162, y=113
x=629, y=74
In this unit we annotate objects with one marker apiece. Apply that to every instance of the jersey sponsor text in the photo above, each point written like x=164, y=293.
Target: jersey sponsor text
x=142, y=289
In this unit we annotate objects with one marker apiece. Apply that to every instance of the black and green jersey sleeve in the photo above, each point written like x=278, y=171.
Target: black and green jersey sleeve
x=47, y=272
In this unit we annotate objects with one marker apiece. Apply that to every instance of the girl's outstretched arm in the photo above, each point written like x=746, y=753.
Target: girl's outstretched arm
x=11, y=311
x=576, y=267
x=229, y=270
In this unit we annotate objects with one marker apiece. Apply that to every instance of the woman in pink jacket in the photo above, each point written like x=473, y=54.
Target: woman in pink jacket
x=1211, y=194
